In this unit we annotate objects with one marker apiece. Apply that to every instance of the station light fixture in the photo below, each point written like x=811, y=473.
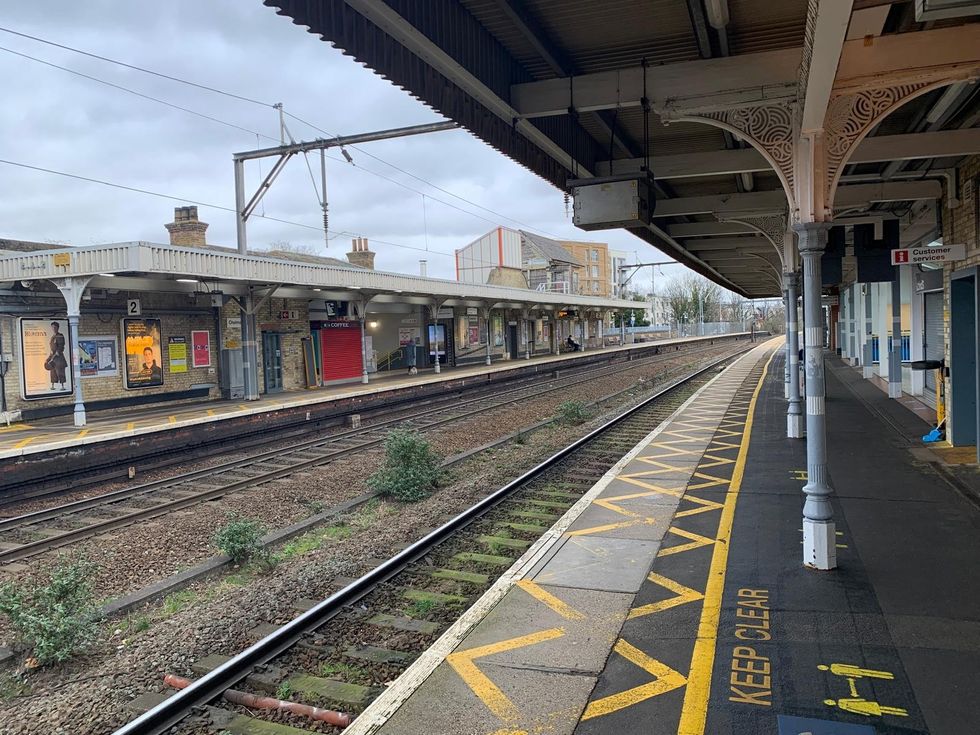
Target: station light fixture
x=186, y=280
x=373, y=324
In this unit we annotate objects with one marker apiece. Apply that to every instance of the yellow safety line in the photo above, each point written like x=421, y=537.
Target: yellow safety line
x=83, y=432
x=14, y=427
x=542, y=595
x=694, y=713
x=24, y=442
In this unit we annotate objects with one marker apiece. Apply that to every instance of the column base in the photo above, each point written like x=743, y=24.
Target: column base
x=794, y=426
x=364, y=379
x=488, y=360
x=867, y=372
x=786, y=390
x=819, y=544
x=80, y=418
x=894, y=390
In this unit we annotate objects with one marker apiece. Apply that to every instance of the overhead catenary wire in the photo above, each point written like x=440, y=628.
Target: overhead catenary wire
x=250, y=100
x=209, y=205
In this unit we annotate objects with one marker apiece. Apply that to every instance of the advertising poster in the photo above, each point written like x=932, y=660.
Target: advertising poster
x=144, y=353
x=498, y=330
x=408, y=335
x=177, y=354
x=201, y=349
x=437, y=340
x=45, y=353
x=98, y=357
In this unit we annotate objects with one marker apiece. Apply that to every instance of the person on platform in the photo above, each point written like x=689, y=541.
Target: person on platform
x=56, y=362
x=572, y=345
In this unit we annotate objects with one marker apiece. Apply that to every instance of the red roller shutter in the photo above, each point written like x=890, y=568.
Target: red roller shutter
x=340, y=344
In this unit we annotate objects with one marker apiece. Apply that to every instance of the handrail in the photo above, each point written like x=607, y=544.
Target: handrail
x=389, y=358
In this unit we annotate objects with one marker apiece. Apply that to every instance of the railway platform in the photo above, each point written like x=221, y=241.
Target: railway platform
x=44, y=435
x=672, y=597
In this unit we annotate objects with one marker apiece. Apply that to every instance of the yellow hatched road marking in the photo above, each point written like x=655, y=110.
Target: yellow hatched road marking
x=666, y=680
x=694, y=713
x=488, y=692
x=542, y=595
x=683, y=596
x=696, y=541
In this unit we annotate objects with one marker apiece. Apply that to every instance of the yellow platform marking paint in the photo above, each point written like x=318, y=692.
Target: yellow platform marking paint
x=24, y=442
x=683, y=596
x=130, y=426
x=14, y=427
x=666, y=679
x=696, y=541
x=542, y=595
x=172, y=419
x=694, y=713
x=488, y=692
x=83, y=432
x=210, y=412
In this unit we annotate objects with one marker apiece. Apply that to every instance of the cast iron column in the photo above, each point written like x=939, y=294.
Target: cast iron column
x=250, y=351
x=895, y=355
x=819, y=531
x=76, y=369
x=786, y=372
x=867, y=369
x=794, y=412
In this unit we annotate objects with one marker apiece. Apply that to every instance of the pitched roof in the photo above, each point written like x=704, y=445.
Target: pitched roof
x=547, y=248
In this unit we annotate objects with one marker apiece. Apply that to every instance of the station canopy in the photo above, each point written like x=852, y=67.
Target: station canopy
x=579, y=89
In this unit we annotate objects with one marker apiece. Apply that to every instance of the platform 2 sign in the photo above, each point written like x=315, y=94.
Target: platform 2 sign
x=144, y=353
x=935, y=254
x=46, y=355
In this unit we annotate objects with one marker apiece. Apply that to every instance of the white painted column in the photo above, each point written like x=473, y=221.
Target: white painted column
x=819, y=530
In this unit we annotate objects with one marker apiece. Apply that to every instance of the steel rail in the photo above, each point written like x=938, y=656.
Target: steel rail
x=211, y=685
x=41, y=546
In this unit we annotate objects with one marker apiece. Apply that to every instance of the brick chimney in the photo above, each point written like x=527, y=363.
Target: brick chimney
x=186, y=230
x=359, y=254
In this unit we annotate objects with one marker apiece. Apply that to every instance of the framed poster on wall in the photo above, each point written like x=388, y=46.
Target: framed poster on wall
x=98, y=356
x=498, y=330
x=45, y=358
x=144, y=353
x=200, y=348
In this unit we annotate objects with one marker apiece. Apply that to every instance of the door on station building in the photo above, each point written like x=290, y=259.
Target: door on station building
x=272, y=362
x=962, y=429
x=340, y=350
x=513, y=341
x=932, y=340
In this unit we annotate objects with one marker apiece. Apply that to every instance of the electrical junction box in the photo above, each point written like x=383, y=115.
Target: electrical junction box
x=627, y=200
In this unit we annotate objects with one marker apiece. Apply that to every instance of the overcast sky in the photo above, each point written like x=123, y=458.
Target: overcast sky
x=57, y=120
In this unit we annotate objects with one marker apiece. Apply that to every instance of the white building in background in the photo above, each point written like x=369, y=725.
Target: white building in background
x=658, y=311
x=617, y=259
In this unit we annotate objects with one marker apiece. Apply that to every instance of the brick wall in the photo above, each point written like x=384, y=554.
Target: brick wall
x=179, y=314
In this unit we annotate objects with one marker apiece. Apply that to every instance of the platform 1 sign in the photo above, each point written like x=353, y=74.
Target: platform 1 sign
x=935, y=254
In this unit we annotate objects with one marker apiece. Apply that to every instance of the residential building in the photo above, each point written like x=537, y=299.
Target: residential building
x=593, y=276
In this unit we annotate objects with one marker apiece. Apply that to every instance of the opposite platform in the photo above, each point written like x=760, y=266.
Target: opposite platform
x=45, y=435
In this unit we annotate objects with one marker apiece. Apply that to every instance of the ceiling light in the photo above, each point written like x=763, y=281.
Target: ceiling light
x=107, y=275
x=186, y=280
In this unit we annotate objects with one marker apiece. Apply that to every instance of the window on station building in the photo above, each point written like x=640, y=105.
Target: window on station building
x=595, y=287
x=595, y=271
x=595, y=256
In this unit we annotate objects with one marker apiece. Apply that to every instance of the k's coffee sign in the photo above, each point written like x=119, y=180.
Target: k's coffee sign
x=934, y=254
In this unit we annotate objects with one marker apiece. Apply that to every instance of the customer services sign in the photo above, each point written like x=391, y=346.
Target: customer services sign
x=934, y=254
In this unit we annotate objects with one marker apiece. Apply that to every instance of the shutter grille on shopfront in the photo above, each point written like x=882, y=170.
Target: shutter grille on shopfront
x=340, y=351
x=933, y=339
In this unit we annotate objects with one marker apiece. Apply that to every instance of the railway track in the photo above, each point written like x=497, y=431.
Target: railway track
x=28, y=535
x=403, y=603
x=54, y=481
